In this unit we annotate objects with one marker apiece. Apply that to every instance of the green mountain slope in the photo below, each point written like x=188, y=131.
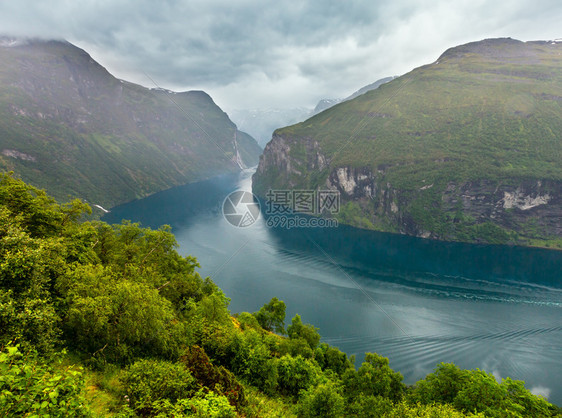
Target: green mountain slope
x=69, y=126
x=467, y=148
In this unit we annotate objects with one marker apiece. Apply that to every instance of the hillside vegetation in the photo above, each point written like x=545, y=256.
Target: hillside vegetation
x=467, y=148
x=69, y=126
x=109, y=320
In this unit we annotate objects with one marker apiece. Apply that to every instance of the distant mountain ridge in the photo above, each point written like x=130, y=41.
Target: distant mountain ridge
x=328, y=103
x=260, y=123
x=466, y=148
x=68, y=125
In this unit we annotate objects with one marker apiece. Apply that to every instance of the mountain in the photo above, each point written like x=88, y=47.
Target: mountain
x=260, y=123
x=467, y=148
x=324, y=104
x=69, y=126
x=369, y=87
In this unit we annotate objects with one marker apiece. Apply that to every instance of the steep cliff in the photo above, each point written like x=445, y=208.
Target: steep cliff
x=468, y=148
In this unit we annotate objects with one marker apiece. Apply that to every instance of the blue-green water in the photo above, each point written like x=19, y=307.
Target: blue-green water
x=418, y=302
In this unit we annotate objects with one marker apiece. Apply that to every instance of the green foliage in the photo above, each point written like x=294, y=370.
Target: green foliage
x=271, y=316
x=404, y=410
x=441, y=386
x=149, y=381
x=369, y=406
x=307, y=332
x=215, y=378
x=323, y=400
x=118, y=319
x=478, y=391
x=374, y=378
x=39, y=214
x=247, y=320
x=331, y=358
x=29, y=387
x=296, y=374
x=203, y=405
x=251, y=359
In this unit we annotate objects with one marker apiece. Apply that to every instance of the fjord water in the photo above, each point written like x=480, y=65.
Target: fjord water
x=417, y=302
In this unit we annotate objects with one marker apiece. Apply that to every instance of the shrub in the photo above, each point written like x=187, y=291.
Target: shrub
x=148, y=382
x=296, y=374
x=374, y=378
x=215, y=378
x=30, y=387
x=204, y=405
x=323, y=401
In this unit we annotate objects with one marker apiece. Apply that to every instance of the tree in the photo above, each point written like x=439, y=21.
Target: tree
x=374, y=378
x=296, y=374
x=441, y=386
x=271, y=316
x=305, y=331
x=118, y=319
x=478, y=391
x=331, y=358
x=323, y=401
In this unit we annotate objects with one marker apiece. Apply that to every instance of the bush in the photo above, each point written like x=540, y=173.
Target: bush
x=215, y=378
x=204, y=405
x=323, y=401
x=296, y=374
x=250, y=359
x=247, y=321
x=330, y=358
x=30, y=387
x=374, y=378
x=148, y=382
x=478, y=391
x=370, y=407
x=305, y=331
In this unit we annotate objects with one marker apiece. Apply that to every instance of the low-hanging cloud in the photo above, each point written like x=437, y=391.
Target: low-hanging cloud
x=274, y=54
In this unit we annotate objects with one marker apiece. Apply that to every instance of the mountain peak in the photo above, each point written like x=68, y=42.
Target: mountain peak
x=493, y=47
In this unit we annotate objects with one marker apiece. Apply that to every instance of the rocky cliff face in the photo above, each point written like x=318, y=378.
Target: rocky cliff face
x=516, y=210
x=466, y=148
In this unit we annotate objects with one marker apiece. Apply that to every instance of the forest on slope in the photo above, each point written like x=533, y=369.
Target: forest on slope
x=110, y=320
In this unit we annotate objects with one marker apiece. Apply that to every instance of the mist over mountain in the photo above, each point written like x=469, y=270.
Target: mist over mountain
x=328, y=103
x=68, y=125
x=260, y=123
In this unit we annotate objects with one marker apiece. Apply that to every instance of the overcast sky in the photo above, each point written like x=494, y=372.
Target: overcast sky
x=281, y=53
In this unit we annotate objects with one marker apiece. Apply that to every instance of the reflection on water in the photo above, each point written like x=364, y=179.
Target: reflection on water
x=415, y=301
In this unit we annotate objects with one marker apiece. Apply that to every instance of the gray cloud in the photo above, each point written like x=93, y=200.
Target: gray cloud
x=249, y=53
